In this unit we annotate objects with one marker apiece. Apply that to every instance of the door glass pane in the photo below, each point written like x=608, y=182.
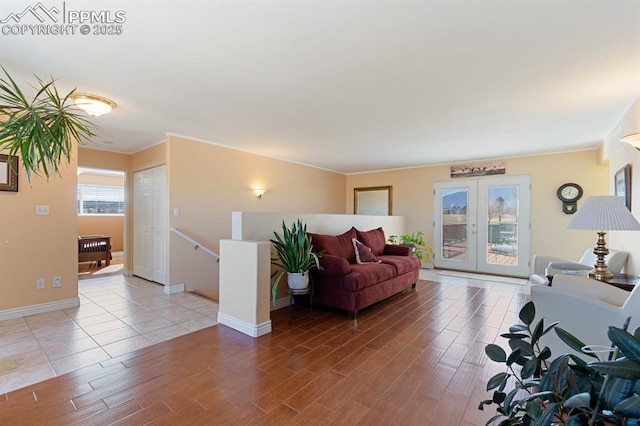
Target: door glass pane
x=454, y=223
x=502, y=225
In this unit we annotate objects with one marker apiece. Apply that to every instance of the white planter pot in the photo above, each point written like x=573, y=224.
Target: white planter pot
x=298, y=283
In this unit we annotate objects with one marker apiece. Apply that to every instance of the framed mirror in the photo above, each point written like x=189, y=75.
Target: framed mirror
x=373, y=200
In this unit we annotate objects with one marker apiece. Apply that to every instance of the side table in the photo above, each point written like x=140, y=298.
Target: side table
x=624, y=281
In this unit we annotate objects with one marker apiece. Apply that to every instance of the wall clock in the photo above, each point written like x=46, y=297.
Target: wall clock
x=569, y=194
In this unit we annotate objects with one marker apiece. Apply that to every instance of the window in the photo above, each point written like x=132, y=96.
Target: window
x=98, y=199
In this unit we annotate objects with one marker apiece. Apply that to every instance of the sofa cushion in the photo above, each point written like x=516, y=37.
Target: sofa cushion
x=363, y=276
x=363, y=253
x=374, y=239
x=402, y=264
x=335, y=245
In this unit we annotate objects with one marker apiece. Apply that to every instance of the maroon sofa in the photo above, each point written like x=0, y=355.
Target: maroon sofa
x=345, y=284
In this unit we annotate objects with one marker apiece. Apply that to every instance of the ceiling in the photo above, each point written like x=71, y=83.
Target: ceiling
x=348, y=85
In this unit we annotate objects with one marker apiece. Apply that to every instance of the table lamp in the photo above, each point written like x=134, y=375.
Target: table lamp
x=603, y=213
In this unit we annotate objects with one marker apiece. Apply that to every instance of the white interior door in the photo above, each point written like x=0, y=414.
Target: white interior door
x=484, y=225
x=150, y=225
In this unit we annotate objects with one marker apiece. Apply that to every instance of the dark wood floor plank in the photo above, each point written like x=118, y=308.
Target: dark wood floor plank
x=415, y=359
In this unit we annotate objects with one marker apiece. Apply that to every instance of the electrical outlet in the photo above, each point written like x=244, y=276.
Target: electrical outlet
x=42, y=210
x=40, y=284
x=57, y=282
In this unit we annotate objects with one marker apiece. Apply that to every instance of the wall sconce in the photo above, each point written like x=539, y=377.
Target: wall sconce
x=632, y=139
x=259, y=192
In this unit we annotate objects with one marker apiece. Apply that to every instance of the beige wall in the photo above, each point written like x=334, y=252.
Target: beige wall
x=413, y=196
x=34, y=247
x=208, y=182
x=619, y=156
x=112, y=226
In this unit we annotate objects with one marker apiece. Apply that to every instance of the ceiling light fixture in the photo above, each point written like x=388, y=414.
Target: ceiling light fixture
x=632, y=139
x=93, y=105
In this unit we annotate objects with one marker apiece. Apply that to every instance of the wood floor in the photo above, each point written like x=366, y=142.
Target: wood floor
x=417, y=358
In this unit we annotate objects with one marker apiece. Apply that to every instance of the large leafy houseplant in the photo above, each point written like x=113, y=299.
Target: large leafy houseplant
x=40, y=129
x=415, y=240
x=536, y=390
x=294, y=254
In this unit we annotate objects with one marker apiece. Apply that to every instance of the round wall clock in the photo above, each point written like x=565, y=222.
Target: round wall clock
x=569, y=194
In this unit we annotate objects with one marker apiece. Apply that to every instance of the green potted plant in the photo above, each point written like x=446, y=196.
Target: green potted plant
x=418, y=246
x=294, y=256
x=41, y=129
x=538, y=390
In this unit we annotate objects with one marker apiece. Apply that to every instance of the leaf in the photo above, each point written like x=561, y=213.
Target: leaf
x=623, y=368
x=514, y=336
x=545, y=353
x=529, y=368
x=533, y=409
x=498, y=397
x=495, y=353
x=546, y=418
x=578, y=401
x=628, y=345
x=572, y=341
x=524, y=347
x=574, y=421
x=537, y=332
x=527, y=313
x=513, y=356
x=496, y=380
x=518, y=328
x=550, y=327
x=630, y=407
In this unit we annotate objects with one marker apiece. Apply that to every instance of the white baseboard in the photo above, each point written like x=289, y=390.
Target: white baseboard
x=172, y=289
x=280, y=303
x=128, y=273
x=117, y=254
x=243, y=326
x=40, y=308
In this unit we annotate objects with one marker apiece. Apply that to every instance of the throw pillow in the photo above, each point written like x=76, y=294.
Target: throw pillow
x=363, y=253
x=373, y=238
x=335, y=245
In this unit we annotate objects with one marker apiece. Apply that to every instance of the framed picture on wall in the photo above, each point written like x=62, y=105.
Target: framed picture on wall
x=623, y=185
x=374, y=200
x=8, y=173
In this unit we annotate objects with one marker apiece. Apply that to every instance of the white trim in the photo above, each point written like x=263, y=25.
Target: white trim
x=173, y=289
x=117, y=254
x=244, y=327
x=128, y=273
x=40, y=308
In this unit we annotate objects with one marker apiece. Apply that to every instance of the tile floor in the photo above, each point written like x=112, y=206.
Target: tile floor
x=116, y=315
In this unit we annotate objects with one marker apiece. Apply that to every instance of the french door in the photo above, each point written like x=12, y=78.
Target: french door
x=483, y=225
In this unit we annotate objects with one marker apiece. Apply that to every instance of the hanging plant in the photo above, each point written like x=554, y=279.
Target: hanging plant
x=41, y=130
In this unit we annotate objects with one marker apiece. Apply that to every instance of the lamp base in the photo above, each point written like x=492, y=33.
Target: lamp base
x=600, y=271
x=604, y=276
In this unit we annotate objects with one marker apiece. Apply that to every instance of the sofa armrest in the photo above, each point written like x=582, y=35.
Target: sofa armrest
x=333, y=265
x=590, y=288
x=540, y=263
x=569, y=266
x=397, y=250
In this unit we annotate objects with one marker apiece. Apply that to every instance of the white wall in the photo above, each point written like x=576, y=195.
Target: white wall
x=260, y=226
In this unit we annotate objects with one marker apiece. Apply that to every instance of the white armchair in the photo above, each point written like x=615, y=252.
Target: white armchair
x=584, y=307
x=615, y=262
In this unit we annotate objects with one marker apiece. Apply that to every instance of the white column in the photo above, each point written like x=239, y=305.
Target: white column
x=245, y=286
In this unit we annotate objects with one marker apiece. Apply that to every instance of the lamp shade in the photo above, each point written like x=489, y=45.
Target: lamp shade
x=604, y=213
x=632, y=139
